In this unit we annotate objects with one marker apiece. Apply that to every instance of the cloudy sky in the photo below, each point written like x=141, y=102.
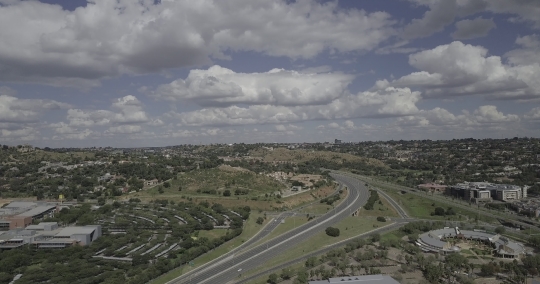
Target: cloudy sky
x=127, y=73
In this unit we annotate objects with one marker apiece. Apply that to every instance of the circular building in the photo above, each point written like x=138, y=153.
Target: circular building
x=438, y=241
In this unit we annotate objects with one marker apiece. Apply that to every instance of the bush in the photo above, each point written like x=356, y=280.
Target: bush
x=381, y=219
x=332, y=232
x=260, y=220
x=227, y=192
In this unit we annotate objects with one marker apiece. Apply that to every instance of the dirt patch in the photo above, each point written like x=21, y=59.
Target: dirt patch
x=4, y=201
x=228, y=168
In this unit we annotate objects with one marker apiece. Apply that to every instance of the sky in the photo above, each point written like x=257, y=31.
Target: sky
x=127, y=73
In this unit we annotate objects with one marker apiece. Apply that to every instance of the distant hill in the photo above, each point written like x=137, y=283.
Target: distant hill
x=300, y=155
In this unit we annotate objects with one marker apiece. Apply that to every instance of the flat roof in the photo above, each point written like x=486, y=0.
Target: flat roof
x=69, y=231
x=20, y=204
x=36, y=211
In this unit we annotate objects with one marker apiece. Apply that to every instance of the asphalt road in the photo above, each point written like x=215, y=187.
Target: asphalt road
x=398, y=224
x=228, y=270
x=267, y=229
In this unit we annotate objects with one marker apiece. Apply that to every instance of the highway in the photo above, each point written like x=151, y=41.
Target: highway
x=266, y=230
x=485, y=212
x=228, y=269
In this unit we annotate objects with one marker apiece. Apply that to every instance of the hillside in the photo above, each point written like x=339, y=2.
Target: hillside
x=299, y=156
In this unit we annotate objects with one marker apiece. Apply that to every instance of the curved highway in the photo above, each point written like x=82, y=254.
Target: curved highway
x=251, y=258
x=486, y=212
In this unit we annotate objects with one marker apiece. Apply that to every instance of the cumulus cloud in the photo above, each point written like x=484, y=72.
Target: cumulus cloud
x=486, y=116
x=45, y=44
x=443, y=13
x=528, y=53
x=458, y=69
x=15, y=110
x=440, y=14
x=386, y=102
x=222, y=86
x=468, y=29
x=533, y=114
x=127, y=110
x=124, y=129
x=23, y=134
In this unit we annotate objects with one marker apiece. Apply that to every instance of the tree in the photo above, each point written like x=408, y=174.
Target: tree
x=166, y=184
x=272, y=278
x=500, y=230
x=439, y=211
x=375, y=237
x=226, y=192
x=332, y=232
x=260, y=220
x=381, y=219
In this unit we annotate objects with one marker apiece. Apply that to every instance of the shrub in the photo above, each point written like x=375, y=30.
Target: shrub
x=332, y=232
x=381, y=219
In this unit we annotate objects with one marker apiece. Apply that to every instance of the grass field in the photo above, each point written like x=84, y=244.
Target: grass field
x=383, y=210
x=212, y=234
x=419, y=207
x=349, y=227
x=250, y=229
x=220, y=180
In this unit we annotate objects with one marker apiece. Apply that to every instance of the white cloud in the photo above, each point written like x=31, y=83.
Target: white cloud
x=222, y=86
x=484, y=117
x=77, y=135
x=23, y=134
x=440, y=14
x=127, y=110
x=285, y=128
x=45, y=44
x=124, y=129
x=15, y=110
x=533, y=114
x=443, y=13
x=528, y=53
x=468, y=29
x=387, y=102
x=459, y=69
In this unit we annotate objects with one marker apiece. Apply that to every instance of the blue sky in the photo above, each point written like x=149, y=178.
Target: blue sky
x=154, y=73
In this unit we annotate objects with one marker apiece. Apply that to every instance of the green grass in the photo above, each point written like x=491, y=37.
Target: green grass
x=316, y=208
x=212, y=234
x=250, y=229
x=349, y=227
x=215, y=179
x=290, y=223
x=419, y=207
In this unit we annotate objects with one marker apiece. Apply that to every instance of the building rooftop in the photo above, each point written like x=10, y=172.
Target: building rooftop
x=69, y=231
x=20, y=204
x=36, y=211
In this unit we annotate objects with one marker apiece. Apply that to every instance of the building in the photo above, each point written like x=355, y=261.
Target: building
x=364, y=279
x=484, y=191
x=14, y=222
x=436, y=241
x=49, y=235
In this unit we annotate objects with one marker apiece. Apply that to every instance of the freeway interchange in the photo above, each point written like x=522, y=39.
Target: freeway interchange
x=229, y=267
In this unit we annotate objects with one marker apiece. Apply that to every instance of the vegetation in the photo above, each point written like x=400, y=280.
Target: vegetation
x=332, y=232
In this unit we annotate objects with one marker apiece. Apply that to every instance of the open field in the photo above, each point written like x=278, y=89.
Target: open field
x=383, y=210
x=299, y=156
x=419, y=207
x=196, y=182
x=250, y=229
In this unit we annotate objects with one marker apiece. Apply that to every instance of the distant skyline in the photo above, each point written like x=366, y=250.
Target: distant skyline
x=155, y=73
